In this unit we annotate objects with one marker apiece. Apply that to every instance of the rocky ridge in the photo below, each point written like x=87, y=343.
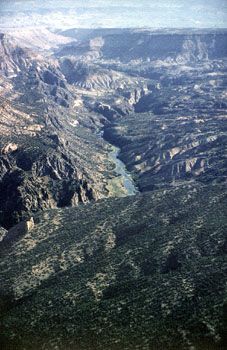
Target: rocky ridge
x=42, y=165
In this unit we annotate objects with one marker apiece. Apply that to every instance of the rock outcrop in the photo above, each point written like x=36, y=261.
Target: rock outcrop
x=11, y=147
x=17, y=231
x=3, y=233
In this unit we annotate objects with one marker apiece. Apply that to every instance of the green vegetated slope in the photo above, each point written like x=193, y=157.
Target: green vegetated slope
x=142, y=272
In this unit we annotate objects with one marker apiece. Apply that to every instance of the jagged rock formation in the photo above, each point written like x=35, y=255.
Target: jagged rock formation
x=144, y=272
x=43, y=169
x=91, y=77
x=45, y=160
x=12, y=57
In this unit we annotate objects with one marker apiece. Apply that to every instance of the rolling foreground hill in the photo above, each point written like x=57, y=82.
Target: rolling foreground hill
x=145, y=272
x=86, y=265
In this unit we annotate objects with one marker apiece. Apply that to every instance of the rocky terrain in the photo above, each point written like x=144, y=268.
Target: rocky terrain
x=181, y=139
x=168, y=115
x=51, y=155
x=81, y=270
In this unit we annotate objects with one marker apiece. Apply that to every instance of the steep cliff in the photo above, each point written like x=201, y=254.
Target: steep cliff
x=181, y=46
x=50, y=155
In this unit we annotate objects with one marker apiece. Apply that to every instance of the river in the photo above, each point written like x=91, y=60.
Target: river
x=121, y=171
x=129, y=187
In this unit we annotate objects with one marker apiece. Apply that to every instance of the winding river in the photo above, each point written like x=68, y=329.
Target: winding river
x=121, y=170
x=128, y=183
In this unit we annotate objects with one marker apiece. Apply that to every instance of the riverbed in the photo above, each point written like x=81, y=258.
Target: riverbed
x=123, y=184
x=120, y=169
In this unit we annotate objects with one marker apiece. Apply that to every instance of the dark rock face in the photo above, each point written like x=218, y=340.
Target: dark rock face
x=75, y=71
x=49, y=78
x=40, y=166
x=36, y=181
x=22, y=194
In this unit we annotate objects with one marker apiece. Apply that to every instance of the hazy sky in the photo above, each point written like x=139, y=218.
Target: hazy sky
x=114, y=13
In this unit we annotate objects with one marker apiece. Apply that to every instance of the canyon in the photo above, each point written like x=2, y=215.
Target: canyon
x=113, y=170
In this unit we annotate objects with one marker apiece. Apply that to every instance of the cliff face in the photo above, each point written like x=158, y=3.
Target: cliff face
x=180, y=48
x=41, y=165
x=35, y=182
x=12, y=57
x=128, y=45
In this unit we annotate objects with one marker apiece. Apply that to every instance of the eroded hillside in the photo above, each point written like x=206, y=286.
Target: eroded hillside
x=51, y=155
